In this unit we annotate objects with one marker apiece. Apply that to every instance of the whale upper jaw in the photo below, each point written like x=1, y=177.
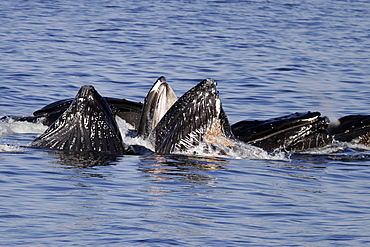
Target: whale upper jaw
x=194, y=118
x=87, y=125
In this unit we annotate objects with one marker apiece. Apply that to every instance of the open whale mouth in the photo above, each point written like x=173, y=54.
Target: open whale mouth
x=87, y=125
x=159, y=99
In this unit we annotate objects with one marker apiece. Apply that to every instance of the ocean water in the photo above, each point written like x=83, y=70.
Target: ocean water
x=270, y=58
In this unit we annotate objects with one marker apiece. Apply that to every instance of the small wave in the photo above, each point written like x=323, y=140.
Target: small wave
x=337, y=147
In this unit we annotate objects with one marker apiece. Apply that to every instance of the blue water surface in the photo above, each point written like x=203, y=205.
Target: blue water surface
x=270, y=58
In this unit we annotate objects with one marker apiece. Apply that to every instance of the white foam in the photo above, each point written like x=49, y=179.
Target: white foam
x=336, y=147
x=328, y=149
x=10, y=148
x=128, y=139
x=357, y=146
x=13, y=127
x=239, y=151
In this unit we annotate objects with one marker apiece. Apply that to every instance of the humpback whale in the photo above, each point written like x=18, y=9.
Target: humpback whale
x=195, y=117
x=294, y=132
x=87, y=124
x=302, y=131
x=352, y=128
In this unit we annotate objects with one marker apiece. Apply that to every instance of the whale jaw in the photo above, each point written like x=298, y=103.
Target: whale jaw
x=87, y=125
x=195, y=118
x=294, y=132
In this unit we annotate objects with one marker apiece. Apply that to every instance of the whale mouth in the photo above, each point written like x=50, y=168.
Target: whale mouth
x=294, y=132
x=159, y=99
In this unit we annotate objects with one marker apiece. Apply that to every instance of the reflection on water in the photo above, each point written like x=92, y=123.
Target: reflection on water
x=75, y=159
x=135, y=197
x=186, y=169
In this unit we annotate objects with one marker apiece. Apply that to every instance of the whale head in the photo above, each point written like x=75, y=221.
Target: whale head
x=87, y=125
x=194, y=118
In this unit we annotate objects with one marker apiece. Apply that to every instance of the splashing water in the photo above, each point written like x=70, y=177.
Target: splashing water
x=6, y=148
x=11, y=127
x=239, y=150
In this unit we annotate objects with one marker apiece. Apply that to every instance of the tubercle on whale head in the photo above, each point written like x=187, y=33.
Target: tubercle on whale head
x=88, y=98
x=207, y=85
x=88, y=93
